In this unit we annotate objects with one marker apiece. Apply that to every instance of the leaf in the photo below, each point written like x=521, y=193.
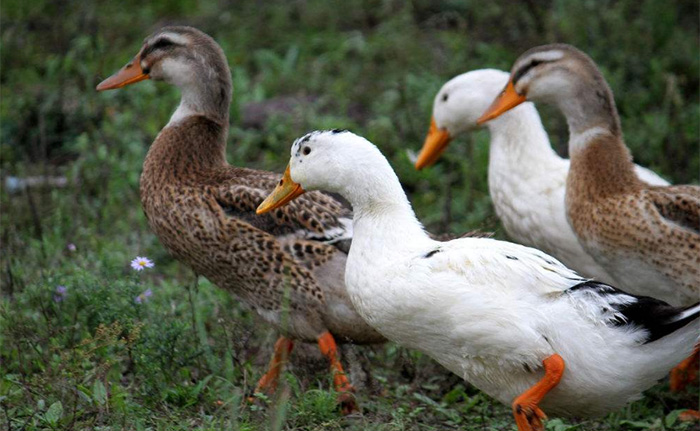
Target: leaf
x=54, y=413
x=672, y=418
x=427, y=400
x=99, y=393
x=636, y=424
x=198, y=389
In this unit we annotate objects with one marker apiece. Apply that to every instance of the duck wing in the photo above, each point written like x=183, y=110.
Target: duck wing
x=314, y=216
x=677, y=205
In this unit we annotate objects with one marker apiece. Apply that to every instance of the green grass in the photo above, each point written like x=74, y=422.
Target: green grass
x=187, y=356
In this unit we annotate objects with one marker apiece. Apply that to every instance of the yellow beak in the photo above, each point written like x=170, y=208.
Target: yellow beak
x=286, y=191
x=507, y=100
x=128, y=74
x=435, y=143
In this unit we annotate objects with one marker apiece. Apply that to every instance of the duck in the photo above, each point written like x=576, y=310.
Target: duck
x=526, y=177
x=646, y=236
x=288, y=266
x=509, y=319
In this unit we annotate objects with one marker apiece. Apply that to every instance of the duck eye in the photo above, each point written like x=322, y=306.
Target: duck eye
x=444, y=97
x=162, y=43
x=306, y=151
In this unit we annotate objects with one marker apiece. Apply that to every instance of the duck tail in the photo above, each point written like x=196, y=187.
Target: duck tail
x=657, y=318
x=662, y=319
x=684, y=317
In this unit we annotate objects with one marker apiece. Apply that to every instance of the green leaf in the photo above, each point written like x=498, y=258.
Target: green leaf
x=54, y=413
x=99, y=393
x=672, y=418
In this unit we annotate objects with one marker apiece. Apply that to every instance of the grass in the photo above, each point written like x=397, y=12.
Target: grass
x=185, y=358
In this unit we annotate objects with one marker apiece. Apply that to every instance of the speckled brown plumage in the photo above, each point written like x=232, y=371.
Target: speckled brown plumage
x=635, y=228
x=647, y=237
x=203, y=211
x=289, y=265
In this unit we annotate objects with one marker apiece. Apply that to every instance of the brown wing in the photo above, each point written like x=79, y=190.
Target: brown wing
x=312, y=216
x=679, y=205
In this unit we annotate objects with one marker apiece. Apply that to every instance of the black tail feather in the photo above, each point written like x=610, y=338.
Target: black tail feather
x=658, y=318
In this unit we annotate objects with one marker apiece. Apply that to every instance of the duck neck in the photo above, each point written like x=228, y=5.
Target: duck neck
x=520, y=145
x=601, y=164
x=383, y=218
x=194, y=140
x=209, y=98
x=186, y=150
x=590, y=110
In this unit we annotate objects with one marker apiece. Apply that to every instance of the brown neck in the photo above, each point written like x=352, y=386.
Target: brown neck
x=600, y=168
x=187, y=149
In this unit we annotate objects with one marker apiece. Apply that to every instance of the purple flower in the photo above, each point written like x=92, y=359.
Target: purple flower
x=143, y=296
x=60, y=293
x=71, y=247
x=140, y=263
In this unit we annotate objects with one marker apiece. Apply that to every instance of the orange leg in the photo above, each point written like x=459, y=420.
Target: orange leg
x=689, y=416
x=342, y=385
x=686, y=372
x=268, y=382
x=528, y=416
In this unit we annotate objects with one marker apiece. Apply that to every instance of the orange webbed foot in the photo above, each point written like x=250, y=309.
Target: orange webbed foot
x=348, y=403
x=689, y=416
x=268, y=382
x=527, y=413
x=346, y=397
x=685, y=373
x=529, y=417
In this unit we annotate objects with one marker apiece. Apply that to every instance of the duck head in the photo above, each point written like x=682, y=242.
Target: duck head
x=333, y=160
x=184, y=57
x=562, y=75
x=457, y=106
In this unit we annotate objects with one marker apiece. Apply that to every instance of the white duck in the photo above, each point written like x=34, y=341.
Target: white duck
x=527, y=178
x=507, y=318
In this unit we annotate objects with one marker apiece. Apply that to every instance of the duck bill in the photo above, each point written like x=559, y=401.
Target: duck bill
x=286, y=191
x=507, y=100
x=128, y=74
x=435, y=143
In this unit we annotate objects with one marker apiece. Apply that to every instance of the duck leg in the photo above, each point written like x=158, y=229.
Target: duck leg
x=342, y=385
x=528, y=415
x=268, y=382
x=686, y=372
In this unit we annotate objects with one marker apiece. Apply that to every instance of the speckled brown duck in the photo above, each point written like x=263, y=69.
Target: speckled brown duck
x=289, y=265
x=647, y=237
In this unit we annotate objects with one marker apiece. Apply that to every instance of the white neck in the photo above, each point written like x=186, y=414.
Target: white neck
x=579, y=140
x=384, y=221
x=519, y=145
x=183, y=111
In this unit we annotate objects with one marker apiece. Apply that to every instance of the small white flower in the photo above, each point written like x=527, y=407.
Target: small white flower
x=140, y=263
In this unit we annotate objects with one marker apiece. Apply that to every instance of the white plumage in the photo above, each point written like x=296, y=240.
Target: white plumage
x=527, y=178
x=490, y=311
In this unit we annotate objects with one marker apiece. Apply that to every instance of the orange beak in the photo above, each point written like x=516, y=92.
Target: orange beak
x=286, y=191
x=435, y=143
x=507, y=100
x=128, y=74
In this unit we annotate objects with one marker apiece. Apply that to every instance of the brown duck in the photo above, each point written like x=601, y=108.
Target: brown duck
x=647, y=237
x=289, y=265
